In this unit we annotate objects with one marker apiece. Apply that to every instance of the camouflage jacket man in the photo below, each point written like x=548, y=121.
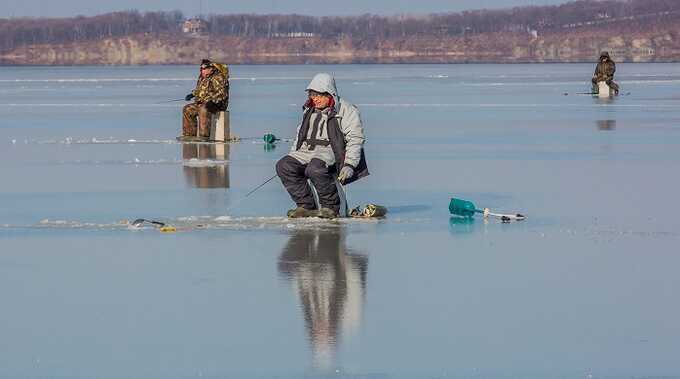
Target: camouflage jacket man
x=212, y=88
x=605, y=69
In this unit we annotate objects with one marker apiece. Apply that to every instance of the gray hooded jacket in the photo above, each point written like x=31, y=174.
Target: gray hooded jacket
x=349, y=151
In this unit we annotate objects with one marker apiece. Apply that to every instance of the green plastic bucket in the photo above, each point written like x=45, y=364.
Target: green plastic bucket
x=269, y=138
x=462, y=208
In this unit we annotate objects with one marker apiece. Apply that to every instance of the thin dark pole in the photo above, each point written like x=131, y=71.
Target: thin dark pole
x=260, y=186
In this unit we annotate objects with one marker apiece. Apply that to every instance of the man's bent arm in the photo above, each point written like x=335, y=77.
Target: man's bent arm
x=354, y=136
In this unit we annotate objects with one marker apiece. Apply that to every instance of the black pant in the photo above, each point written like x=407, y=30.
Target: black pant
x=294, y=175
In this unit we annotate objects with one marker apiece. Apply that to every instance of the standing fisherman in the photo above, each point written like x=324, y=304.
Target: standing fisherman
x=211, y=96
x=604, y=72
x=329, y=146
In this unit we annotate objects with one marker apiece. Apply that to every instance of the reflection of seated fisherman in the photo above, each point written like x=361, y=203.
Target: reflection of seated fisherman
x=328, y=146
x=331, y=285
x=604, y=72
x=211, y=96
x=206, y=165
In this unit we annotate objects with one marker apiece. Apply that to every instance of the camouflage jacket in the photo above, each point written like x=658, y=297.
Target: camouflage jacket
x=214, y=88
x=605, y=71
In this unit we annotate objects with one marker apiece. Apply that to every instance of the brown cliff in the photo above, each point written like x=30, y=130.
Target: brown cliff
x=660, y=46
x=643, y=37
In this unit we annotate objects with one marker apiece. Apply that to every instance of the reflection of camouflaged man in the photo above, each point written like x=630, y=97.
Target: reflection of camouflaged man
x=210, y=96
x=604, y=72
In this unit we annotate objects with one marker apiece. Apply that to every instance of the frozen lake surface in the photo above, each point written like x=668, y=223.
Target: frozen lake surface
x=586, y=287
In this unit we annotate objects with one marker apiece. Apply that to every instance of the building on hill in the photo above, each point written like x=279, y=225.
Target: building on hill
x=293, y=35
x=195, y=26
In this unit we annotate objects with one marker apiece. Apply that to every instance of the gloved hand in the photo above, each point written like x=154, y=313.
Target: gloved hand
x=346, y=173
x=189, y=97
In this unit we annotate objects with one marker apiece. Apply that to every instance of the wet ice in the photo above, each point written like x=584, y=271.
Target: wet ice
x=571, y=291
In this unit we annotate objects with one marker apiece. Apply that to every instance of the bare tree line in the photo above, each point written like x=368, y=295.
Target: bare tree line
x=27, y=31
x=30, y=31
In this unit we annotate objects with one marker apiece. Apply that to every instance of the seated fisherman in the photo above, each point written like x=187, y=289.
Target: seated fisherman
x=211, y=96
x=604, y=72
x=328, y=146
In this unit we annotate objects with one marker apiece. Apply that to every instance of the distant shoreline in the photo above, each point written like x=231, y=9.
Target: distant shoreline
x=325, y=64
x=574, y=32
x=493, y=48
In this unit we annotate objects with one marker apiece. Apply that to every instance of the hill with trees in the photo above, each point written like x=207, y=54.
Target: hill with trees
x=633, y=30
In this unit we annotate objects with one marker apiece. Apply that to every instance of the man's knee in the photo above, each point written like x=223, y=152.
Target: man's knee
x=286, y=166
x=212, y=107
x=190, y=111
x=316, y=169
x=281, y=167
x=208, y=109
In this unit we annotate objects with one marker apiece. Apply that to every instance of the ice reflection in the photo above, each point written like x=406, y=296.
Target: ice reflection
x=606, y=124
x=330, y=282
x=461, y=225
x=605, y=100
x=206, y=165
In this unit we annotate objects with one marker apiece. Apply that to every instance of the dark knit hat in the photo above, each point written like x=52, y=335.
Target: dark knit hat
x=205, y=63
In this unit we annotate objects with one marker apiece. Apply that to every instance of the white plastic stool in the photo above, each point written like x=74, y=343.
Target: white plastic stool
x=603, y=89
x=219, y=127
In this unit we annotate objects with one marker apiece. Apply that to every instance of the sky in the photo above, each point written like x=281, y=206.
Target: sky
x=68, y=8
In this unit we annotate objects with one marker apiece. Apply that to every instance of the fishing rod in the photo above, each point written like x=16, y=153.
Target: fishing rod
x=250, y=193
x=268, y=138
x=169, y=101
x=260, y=186
x=163, y=227
x=592, y=93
